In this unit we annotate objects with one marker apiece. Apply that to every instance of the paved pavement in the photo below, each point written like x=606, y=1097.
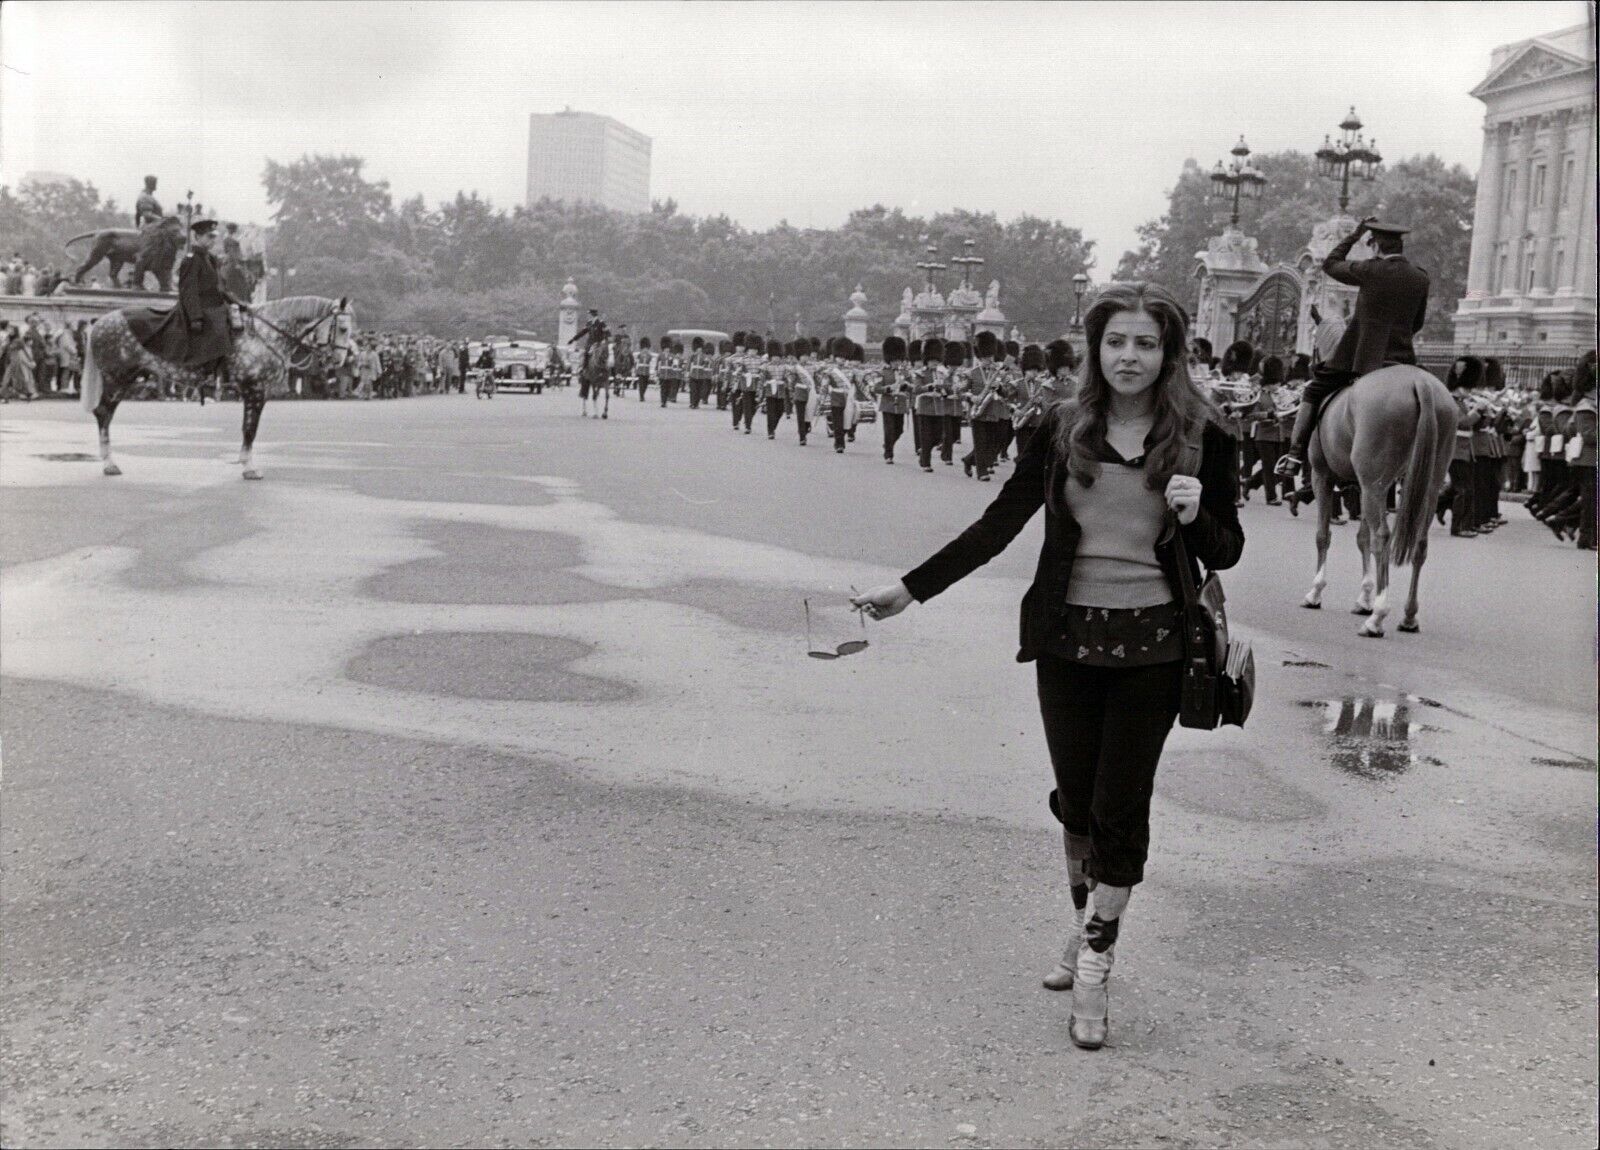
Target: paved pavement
x=465, y=782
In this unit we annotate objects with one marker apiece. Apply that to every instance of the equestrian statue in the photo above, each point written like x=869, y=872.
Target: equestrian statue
x=1371, y=416
x=194, y=345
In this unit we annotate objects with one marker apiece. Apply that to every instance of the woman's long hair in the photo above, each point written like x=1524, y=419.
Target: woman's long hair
x=1182, y=409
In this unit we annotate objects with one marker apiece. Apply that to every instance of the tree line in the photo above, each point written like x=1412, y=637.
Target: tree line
x=465, y=267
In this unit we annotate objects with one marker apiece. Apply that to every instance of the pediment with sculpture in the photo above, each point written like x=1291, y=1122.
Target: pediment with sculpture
x=1536, y=62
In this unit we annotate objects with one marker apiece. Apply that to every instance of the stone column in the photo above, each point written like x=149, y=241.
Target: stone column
x=1524, y=209
x=855, y=320
x=1547, y=224
x=1486, y=213
x=1579, y=275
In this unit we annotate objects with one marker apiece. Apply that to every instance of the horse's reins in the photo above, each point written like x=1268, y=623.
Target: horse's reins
x=295, y=341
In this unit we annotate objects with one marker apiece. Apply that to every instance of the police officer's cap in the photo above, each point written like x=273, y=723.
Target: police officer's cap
x=203, y=226
x=1384, y=227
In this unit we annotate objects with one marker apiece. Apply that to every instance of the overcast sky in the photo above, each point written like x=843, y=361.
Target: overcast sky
x=1079, y=111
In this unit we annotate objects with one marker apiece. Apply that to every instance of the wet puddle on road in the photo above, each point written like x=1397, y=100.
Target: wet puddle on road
x=1370, y=738
x=67, y=456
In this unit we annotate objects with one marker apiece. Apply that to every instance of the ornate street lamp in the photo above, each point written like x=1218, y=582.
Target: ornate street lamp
x=1239, y=178
x=1351, y=154
x=967, y=262
x=931, y=265
x=1080, y=285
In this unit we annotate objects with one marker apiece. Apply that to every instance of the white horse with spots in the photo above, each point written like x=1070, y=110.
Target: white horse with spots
x=300, y=332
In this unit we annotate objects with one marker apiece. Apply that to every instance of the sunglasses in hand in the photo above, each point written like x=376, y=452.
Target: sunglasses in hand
x=849, y=647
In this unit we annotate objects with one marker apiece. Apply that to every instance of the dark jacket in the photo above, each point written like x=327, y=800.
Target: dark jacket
x=1214, y=539
x=196, y=332
x=1389, y=310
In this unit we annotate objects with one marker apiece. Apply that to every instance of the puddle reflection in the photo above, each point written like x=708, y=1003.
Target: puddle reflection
x=1370, y=738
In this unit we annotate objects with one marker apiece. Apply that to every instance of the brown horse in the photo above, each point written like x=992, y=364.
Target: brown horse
x=295, y=332
x=1393, y=425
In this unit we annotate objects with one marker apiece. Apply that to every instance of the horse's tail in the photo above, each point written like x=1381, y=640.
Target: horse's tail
x=90, y=385
x=1411, y=524
x=75, y=239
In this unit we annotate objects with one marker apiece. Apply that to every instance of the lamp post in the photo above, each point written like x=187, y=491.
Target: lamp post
x=967, y=262
x=1080, y=285
x=1239, y=179
x=1350, y=154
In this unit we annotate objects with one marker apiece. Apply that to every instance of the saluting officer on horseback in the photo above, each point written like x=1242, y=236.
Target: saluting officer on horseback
x=1390, y=308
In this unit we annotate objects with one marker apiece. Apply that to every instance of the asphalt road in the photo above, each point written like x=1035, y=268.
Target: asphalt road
x=465, y=782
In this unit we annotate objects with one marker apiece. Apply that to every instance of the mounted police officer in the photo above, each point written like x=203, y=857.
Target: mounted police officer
x=195, y=334
x=1390, y=309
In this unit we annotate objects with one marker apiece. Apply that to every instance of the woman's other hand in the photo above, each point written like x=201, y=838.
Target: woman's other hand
x=1183, y=496
x=882, y=602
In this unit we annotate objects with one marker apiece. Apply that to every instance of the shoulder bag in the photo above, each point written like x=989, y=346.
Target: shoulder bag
x=1219, y=674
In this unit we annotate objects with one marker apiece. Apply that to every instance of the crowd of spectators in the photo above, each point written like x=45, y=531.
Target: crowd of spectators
x=39, y=359
x=20, y=277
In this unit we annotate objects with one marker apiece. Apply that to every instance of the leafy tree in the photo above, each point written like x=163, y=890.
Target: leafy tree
x=40, y=217
x=1435, y=200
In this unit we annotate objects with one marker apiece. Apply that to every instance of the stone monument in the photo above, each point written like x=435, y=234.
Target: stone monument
x=567, y=311
x=991, y=318
x=855, y=320
x=1228, y=270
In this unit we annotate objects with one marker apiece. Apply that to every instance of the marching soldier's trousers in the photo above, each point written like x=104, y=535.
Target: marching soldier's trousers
x=894, y=426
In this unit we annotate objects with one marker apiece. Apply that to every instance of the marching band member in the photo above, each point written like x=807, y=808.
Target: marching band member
x=839, y=390
x=927, y=404
x=773, y=389
x=894, y=395
x=1268, y=435
x=641, y=366
x=955, y=354
x=802, y=393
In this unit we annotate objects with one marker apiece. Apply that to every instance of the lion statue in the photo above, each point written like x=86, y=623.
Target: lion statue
x=154, y=248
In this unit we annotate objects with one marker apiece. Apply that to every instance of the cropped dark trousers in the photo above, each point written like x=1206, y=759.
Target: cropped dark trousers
x=1105, y=727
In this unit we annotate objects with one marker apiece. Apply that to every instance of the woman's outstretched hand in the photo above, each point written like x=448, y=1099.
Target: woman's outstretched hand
x=882, y=602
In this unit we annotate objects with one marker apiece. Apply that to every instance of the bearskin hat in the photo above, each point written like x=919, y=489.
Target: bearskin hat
x=894, y=349
x=644, y=343
x=955, y=353
x=738, y=341
x=983, y=344
x=1033, y=358
x=1058, y=354
x=914, y=351
x=725, y=347
x=816, y=345
x=1013, y=349
x=1237, y=357
x=698, y=343
x=933, y=350
x=774, y=349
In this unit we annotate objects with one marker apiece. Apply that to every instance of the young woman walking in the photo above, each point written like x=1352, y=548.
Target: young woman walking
x=1137, y=456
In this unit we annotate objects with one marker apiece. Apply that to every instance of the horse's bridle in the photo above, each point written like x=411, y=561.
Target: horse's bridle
x=298, y=341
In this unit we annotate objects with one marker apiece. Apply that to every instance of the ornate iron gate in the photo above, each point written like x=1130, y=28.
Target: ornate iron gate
x=1269, y=317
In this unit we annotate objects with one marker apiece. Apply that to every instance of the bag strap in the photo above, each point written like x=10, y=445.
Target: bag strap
x=1180, y=550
